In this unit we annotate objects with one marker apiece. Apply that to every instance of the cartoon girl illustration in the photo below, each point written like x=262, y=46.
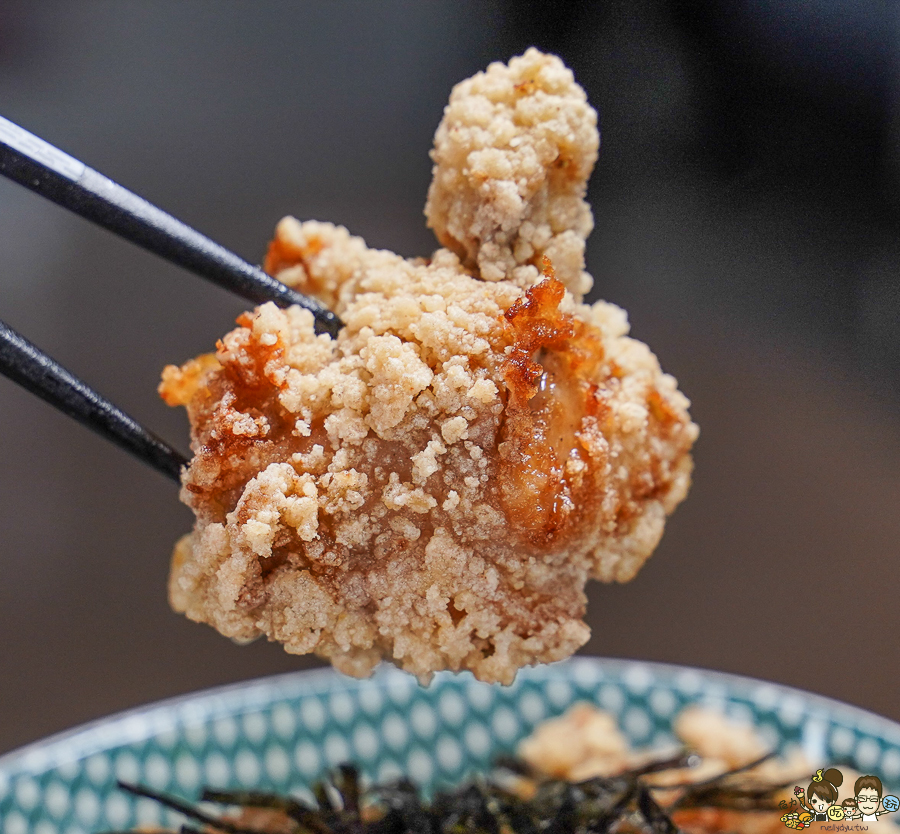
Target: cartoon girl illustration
x=821, y=793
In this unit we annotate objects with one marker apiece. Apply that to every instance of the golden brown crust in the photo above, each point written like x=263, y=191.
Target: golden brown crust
x=434, y=486
x=551, y=470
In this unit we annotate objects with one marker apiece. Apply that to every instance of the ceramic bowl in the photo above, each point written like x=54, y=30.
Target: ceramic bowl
x=284, y=732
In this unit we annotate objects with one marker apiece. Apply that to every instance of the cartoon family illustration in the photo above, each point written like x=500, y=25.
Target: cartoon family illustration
x=819, y=802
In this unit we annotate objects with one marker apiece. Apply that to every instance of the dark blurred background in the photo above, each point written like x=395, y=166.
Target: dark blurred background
x=747, y=205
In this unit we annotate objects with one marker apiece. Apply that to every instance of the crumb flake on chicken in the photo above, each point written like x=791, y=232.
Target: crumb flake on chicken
x=435, y=485
x=512, y=157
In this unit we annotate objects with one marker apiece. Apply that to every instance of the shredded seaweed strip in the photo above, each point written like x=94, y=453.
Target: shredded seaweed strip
x=190, y=811
x=514, y=800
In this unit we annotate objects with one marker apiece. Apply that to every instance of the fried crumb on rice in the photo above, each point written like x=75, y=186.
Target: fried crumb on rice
x=586, y=742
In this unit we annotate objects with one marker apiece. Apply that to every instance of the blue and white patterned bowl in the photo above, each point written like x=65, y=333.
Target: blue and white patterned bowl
x=282, y=733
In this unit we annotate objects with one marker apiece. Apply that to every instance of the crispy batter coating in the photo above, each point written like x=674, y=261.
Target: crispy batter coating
x=436, y=485
x=512, y=157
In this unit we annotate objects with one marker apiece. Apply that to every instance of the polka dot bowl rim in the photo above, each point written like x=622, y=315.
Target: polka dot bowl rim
x=283, y=732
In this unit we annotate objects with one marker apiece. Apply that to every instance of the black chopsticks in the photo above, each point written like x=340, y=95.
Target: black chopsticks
x=48, y=171
x=25, y=364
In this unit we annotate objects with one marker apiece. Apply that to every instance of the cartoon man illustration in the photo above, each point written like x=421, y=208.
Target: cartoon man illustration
x=868, y=790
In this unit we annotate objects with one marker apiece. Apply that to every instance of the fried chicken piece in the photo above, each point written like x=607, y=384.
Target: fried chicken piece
x=436, y=485
x=583, y=743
